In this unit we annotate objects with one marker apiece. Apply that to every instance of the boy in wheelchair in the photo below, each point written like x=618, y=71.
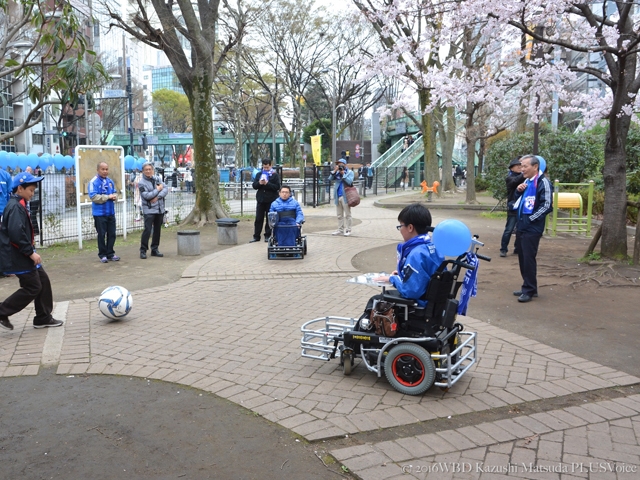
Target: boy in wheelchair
x=285, y=212
x=418, y=261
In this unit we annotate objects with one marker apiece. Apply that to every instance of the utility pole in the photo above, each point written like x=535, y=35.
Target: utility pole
x=237, y=92
x=130, y=100
x=273, y=130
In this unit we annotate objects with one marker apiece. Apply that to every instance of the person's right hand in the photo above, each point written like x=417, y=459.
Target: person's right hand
x=154, y=200
x=37, y=260
x=159, y=187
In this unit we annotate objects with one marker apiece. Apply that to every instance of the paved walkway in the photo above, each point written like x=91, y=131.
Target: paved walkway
x=231, y=326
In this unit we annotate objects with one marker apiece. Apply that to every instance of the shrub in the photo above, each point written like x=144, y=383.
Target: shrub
x=482, y=184
x=571, y=157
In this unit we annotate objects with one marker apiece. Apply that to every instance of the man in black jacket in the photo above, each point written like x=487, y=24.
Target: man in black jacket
x=533, y=202
x=513, y=179
x=18, y=257
x=267, y=184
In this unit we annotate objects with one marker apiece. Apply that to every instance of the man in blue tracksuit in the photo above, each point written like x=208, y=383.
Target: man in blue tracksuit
x=102, y=192
x=533, y=202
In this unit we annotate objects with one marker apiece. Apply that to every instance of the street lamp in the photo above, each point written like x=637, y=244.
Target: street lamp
x=334, y=108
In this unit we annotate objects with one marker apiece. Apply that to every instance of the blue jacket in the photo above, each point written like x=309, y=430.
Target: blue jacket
x=418, y=260
x=341, y=180
x=280, y=205
x=543, y=203
x=99, y=190
x=5, y=189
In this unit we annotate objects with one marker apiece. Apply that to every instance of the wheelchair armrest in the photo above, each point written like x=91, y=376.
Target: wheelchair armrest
x=398, y=300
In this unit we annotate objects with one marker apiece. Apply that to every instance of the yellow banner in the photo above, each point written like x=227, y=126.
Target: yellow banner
x=316, y=149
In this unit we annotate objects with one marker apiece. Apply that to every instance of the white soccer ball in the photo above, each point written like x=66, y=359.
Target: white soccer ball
x=115, y=302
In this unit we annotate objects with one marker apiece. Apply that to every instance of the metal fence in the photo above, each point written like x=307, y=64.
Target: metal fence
x=55, y=217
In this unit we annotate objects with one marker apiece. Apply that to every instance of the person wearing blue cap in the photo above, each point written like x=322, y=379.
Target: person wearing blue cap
x=18, y=257
x=343, y=177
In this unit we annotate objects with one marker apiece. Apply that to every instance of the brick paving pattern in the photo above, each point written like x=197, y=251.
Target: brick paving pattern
x=231, y=326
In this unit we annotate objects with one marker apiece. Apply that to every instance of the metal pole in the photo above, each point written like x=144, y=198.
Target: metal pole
x=130, y=96
x=333, y=130
x=273, y=129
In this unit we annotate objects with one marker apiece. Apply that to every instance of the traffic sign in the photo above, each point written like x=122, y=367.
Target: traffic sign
x=114, y=94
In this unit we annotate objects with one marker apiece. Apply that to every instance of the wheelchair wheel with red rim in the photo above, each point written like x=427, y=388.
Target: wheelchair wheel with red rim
x=410, y=369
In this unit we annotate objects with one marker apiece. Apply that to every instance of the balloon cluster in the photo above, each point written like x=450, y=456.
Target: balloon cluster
x=132, y=163
x=451, y=238
x=22, y=161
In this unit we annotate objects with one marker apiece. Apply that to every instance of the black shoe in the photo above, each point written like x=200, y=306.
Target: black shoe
x=156, y=253
x=518, y=293
x=503, y=254
x=5, y=323
x=254, y=240
x=524, y=298
x=143, y=255
x=51, y=323
x=266, y=239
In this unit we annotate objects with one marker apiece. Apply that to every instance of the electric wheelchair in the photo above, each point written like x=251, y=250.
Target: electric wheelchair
x=287, y=241
x=416, y=348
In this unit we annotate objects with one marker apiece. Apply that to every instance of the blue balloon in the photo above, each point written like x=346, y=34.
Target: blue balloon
x=139, y=163
x=3, y=159
x=12, y=160
x=58, y=161
x=451, y=238
x=69, y=162
x=44, y=161
x=129, y=162
x=33, y=160
x=23, y=161
x=543, y=163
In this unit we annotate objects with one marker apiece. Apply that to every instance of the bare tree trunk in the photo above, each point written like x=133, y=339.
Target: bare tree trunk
x=208, y=206
x=614, y=228
x=428, y=138
x=447, y=130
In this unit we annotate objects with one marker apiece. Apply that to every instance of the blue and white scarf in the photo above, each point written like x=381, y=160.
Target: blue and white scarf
x=469, y=283
x=527, y=201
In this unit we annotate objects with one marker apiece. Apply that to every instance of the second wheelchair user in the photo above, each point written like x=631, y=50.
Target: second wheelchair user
x=418, y=259
x=287, y=203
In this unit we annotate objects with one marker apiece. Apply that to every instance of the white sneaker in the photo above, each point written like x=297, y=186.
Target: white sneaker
x=347, y=233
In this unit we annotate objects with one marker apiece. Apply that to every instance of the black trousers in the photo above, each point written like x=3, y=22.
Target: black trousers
x=510, y=226
x=34, y=287
x=106, y=228
x=152, y=222
x=261, y=214
x=527, y=247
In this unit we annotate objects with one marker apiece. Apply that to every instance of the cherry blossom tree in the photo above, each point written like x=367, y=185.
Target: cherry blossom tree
x=603, y=39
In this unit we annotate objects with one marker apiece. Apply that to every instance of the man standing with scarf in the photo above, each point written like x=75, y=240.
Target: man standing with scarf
x=267, y=184
x=533, y=203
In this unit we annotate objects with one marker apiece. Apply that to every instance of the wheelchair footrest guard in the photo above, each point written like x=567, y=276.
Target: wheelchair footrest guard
x=324, y=337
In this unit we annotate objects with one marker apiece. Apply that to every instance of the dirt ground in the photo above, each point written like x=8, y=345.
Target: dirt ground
x=119, y=427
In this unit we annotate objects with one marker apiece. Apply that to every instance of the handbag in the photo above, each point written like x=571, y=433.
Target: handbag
x=351, y=194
